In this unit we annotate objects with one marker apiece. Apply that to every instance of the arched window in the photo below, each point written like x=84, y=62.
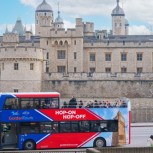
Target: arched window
x=56, y=43
x=61, y=42
x=66, y=43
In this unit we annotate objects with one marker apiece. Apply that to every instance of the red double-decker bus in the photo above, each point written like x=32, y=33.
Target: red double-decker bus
x=36, y=121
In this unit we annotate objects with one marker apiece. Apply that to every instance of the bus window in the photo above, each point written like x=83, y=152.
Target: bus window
x=28, y=128
x=45, y=127
x=55, y=127
x=74, y=126
x=95, y=126
x=11, y=103
x=99, y=126
x=49, y=103
x=36, y=103
x=26, y=103
x=65, y=127
x=84, y=126
x=54, y=103
x=113, y=125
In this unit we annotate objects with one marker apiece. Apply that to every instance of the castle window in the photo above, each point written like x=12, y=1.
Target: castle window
x=47, y=55
x=92, y=57
x=31, y=66
x=92, y=69
x=2, y=66
x=123, y=56
x=16, y=90
x=75, y=55
x=139, y=70
x=61, y=43
x=108, y=70
x=56, y=43
x=47, y=69
x=61, y=54
x=47, y=42
x=107, y=57
x=65, y=43
x=16, y=66
x=74, y=42
x=139, y=56
x=75, y=69
x=123, y=70
x=61, y=69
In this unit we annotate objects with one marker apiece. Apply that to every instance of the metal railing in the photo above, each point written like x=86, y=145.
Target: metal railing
x=44, y=151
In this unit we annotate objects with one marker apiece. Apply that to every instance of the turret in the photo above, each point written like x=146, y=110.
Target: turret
x=118, y=20
x=43, y=17
x=58, y=21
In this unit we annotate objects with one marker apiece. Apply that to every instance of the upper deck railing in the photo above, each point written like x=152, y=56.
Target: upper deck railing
x=118, y=103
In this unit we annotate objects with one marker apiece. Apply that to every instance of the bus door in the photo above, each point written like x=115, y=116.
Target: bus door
x=8, y=135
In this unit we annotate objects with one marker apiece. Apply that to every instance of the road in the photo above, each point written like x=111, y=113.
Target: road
x=140, y=132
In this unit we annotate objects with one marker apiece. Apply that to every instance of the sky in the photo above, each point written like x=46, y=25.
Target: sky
x=139, y=13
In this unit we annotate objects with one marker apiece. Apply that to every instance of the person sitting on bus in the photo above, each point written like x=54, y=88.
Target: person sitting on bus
x=36, y=105
x=43, y=129
x=44, y=106
x=80, y=104
x=124, y=104
x=90, y=104
x=65, y=105
x=28, y=106
x=96, y=105
x=54, y=105
x=99, y=127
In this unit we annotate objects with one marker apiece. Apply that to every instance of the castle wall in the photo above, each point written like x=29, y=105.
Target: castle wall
x=82, y=85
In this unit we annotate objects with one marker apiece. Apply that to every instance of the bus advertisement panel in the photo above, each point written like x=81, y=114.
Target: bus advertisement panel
x=54, y=127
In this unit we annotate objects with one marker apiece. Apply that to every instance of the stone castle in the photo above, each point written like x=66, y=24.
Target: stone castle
x=80, y=61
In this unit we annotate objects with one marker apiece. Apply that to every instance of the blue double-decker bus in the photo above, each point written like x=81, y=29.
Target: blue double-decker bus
x=30, y=121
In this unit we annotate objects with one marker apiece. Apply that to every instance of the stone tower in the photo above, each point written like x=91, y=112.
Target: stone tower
x=43, y=17
x=119, y=23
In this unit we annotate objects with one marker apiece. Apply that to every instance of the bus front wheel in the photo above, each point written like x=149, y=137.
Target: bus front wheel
x=29, y=145
x=100, y=143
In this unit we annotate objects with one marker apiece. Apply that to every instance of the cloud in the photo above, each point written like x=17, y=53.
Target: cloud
x=68, y=24
x=139, y=30
x=32, y=3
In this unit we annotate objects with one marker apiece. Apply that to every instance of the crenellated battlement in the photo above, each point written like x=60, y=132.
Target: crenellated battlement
x=21, y=53
x=11, y=38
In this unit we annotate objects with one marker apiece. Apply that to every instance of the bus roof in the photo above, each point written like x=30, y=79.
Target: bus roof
x=33, y=94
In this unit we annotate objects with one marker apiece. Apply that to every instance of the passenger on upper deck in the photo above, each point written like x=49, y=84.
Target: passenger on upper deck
x=80, y=104
x=72, y=102
x=96, y=105
x=65, y=105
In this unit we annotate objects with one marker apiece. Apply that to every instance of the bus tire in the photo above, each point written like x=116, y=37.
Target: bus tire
x=99, y=143
x=29, y=145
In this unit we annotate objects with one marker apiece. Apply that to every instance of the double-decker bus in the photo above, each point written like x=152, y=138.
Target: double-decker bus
x=31, y=121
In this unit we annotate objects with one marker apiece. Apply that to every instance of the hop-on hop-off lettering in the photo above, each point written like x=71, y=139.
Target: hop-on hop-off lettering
x=70, y=114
